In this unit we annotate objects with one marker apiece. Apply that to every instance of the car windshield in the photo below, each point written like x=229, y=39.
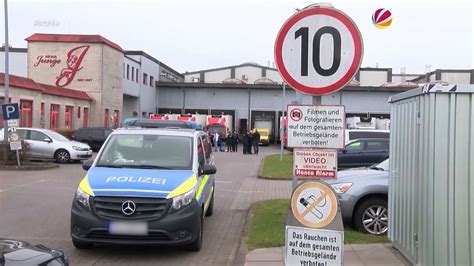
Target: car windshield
x=147, y=151
x=263, y=133
x=56, y=135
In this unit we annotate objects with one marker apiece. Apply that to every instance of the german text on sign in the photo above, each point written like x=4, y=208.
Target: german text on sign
x=319, y=126
x=321, y=164
x=305, y=246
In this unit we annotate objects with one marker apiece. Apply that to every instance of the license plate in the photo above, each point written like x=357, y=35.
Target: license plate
x=128, y=228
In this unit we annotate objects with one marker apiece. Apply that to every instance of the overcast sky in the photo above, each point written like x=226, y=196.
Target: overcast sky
x=194, y=35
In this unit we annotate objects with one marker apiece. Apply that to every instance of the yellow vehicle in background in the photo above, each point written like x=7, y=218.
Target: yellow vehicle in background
x=264, y=136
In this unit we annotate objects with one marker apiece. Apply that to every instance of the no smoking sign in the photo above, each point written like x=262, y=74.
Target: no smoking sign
x=318, y=50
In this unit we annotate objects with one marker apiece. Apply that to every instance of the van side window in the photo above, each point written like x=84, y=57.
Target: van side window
x=201, y=156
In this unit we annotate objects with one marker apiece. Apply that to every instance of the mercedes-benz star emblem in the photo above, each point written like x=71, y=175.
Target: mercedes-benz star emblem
x=128, y=207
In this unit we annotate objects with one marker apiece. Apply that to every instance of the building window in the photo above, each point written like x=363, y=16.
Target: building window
x=133, y=73
x=137, y=75
x=85, y=123
x=128, y=71
x=106, y=117
x=152, y=81
x=42, y=115
x=54, y=117
x=145, y=78
x=26, y=113
x=68, y=113
x=78, y=112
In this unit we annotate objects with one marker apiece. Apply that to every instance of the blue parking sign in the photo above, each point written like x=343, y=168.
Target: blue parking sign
x=10, y=111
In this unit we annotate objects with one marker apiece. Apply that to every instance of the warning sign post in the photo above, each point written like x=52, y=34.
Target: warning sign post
x=318, y=126
x=314, y=229
x=313, y=246
x=314, y=164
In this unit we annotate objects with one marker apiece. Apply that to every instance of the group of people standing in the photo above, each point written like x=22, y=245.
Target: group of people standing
x=230, y=142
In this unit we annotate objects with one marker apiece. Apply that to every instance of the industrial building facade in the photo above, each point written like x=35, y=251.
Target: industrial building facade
x=116, y=84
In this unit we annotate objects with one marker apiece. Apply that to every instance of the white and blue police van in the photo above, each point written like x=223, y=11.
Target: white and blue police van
x=146, y=186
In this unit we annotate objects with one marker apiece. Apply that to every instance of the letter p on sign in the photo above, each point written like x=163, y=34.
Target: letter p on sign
x=10, y=111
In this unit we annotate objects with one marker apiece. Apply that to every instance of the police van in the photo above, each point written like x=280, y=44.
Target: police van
x=146, y=186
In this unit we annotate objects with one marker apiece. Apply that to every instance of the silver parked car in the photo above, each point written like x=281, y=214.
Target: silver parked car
x=48, y=144
x=363, y=194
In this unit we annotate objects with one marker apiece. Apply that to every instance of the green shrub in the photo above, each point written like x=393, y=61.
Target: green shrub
x=24, y=153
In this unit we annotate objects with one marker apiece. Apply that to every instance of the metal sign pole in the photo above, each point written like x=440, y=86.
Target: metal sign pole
x=282, y=126
x=7, y=96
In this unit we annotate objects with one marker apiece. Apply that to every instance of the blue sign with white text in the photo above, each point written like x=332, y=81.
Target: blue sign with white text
x=10, y=111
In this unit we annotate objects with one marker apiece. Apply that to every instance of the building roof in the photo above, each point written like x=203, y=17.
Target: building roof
x=151, y=58
x=29, y=84
x=229, y=67
x=182, y=85
x=14, y=49
x=76, y=38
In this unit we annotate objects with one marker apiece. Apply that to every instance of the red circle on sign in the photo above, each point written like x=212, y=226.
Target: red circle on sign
x=346, y=78
x=296, y=110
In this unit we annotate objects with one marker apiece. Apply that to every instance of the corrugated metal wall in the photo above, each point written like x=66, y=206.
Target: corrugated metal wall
x=432, y=178
x=403, y=179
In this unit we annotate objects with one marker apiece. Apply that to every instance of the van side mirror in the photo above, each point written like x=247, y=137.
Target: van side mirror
x=86, y=165
x=208, y=169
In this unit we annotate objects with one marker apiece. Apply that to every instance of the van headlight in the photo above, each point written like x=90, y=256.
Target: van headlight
x=184, y=199
x=83, y=198
x=341, y=188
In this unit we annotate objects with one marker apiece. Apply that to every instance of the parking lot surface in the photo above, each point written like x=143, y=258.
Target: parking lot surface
x=35, y=207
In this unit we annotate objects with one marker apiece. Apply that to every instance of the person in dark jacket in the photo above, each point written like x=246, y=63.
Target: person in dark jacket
x=255, y=141
x=244, y=143
x=249, y=139
x=235, y=143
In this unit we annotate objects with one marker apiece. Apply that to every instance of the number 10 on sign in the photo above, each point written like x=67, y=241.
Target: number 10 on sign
x=318, y=50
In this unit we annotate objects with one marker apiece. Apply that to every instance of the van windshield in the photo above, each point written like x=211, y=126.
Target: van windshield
x=147, y=151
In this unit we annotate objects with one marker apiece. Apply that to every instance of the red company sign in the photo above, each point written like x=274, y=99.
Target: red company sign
x=320, y=164
x=74, y=59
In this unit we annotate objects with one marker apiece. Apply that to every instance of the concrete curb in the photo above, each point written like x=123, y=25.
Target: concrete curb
x=29, y=167
x=243, y=250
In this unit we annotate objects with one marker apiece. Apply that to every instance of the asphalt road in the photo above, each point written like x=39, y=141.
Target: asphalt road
x=35, y=207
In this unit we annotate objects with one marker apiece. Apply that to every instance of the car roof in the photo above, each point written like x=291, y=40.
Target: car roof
x=370, y=139
x=158, y=131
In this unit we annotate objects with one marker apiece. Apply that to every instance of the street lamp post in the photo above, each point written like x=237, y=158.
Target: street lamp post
x=6, y=99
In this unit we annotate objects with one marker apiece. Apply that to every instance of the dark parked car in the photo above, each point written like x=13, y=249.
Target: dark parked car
x=94, y=136
x=363, y=152
x=363, y=194
x=14, y=252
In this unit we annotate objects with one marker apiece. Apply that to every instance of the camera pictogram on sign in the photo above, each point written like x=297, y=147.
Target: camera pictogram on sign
x=296, y=114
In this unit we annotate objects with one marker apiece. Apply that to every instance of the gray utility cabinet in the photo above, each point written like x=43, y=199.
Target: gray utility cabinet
x=431, y=189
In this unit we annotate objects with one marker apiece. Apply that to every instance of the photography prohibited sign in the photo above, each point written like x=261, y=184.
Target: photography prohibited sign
x=318, y=50
x=316, y=126
x=314, y=204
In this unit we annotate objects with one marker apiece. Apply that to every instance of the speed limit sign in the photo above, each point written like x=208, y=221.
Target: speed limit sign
x=318, y=50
